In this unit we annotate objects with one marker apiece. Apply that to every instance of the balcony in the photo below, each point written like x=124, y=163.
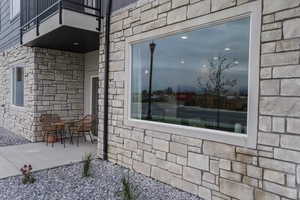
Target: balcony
x=70, y=25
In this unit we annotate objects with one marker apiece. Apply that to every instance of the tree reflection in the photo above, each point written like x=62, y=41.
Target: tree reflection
x=213, y=82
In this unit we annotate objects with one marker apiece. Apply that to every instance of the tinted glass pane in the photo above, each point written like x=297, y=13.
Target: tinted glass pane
x=18, y=86
x=198, y=78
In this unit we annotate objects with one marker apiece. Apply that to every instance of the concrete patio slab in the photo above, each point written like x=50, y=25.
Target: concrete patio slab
x=40, y=156
x=9, y=138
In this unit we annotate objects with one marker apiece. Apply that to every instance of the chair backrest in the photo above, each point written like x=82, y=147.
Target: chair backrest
x=47, y=119
x=88, y=122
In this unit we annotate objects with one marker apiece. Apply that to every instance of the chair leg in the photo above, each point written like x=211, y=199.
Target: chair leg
x=83, y=135
x=71, y=138
x=61, y=136
x=90, y=133
x=78, y=139
x=64, y=137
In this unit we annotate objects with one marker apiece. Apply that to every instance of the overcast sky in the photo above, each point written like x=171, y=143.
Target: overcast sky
x=179, y=62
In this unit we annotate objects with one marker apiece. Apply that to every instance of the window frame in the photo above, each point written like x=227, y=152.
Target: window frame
x=11, y=8
x=253, y=10
x=13, y=88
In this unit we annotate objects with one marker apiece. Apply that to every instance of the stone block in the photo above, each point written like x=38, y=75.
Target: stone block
x=219, y=150
x=278, y=124
x=236, y=190
x=290, y=142
x=287, y=155
x=268, y=139
x=286, y=14
x=272, y=35
x=265, y=123
x=149, y=15
x=177, y=15
x=266, y=73
x=231, y=175
x=178, y=149
x=193, y=175
x=161, y=145
x=281, y=190
x=221, y=4
x=262, y=195
x=274, y=176
x=225, y=164
x=293, y=125
x=208, y=177
x=288, y=45
x=269, y=47
x=149, y=158
x=239, y=167
x=278, y=59
x=187, y=140
x=130, y=145
x=292, y=71
x=271, y=6
x=178, y=3
x=198, y=161
x=291, y=28
x=254, y=172
x=280, y=106
x=198, y=9
x=204, y=193
x=277, y=165
x=159, y=135
x=269, y=87
x=141, y=168
x=290, y=87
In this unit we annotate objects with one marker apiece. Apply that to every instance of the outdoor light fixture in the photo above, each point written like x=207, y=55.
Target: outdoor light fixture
x=184, y=37
x=227, y=49
x=75, y=43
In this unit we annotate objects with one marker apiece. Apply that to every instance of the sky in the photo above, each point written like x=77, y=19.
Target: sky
x=181, y=59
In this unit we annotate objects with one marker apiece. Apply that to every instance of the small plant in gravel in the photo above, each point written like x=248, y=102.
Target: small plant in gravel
x=87, y=162
x=129, y=191
x=27, y=174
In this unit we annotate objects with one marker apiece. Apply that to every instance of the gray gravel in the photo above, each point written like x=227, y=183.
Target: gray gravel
x=66, y=183
x=9, y=138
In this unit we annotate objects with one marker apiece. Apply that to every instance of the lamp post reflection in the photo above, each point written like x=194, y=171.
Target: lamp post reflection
x=152, y=46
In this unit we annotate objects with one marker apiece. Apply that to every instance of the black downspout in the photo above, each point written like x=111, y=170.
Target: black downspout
x=106, y=79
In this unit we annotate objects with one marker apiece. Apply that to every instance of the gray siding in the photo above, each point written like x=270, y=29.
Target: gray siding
x=10, y=29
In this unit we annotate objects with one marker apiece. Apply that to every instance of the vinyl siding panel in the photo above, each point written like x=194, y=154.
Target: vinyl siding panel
x=10, y=29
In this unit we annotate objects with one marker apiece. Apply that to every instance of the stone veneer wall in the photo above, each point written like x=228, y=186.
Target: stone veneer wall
x=59, y=83
x=17, y=119
x=206, y=168
x=53, y=83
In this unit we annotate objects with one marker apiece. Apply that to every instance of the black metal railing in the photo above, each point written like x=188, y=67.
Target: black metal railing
x=34, y=12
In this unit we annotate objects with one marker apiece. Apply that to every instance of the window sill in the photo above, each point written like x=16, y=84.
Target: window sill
x=200, y=133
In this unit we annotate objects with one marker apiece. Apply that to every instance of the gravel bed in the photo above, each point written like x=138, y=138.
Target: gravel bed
x=9, y=138
x=66, y=183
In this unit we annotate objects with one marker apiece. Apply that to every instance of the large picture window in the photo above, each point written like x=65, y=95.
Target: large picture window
x=197, y=78
x=18, y=86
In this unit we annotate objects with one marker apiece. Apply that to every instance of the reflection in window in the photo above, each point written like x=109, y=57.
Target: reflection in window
x=197, y=78
x=18, y=86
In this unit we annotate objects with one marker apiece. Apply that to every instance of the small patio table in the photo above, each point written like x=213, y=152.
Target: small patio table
x=63, y=127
